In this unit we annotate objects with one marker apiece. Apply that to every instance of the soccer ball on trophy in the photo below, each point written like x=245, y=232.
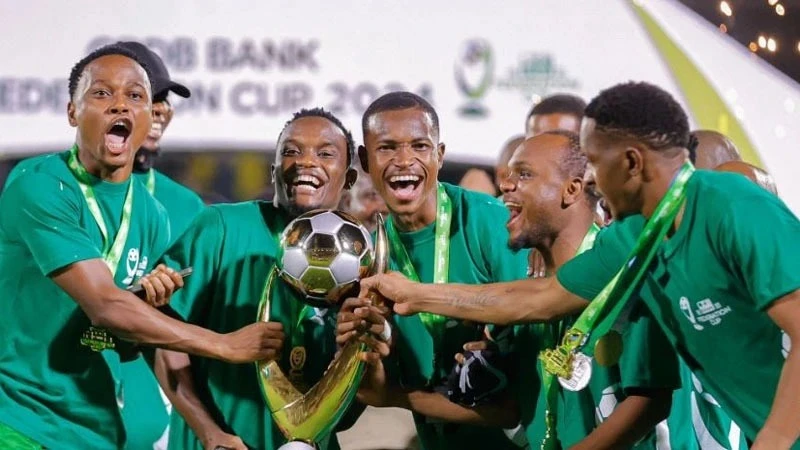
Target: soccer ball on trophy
x=324, y=254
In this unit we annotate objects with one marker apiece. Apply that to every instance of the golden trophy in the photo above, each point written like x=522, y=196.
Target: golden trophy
x=324, y=255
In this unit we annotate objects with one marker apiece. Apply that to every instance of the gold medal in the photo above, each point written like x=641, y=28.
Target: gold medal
x=97, y=339
x=608, y=349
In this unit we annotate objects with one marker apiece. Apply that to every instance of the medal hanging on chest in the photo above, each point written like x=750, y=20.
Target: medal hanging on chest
x=434, y=323
x=95, y=338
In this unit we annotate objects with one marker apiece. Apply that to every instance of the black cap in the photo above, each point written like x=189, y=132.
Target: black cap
x=159, y=76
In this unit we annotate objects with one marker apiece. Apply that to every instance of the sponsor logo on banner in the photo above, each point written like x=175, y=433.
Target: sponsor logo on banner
x=537, y=75
x=474, y=73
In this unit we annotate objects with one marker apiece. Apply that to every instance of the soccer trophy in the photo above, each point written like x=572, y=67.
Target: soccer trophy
x=324, y=254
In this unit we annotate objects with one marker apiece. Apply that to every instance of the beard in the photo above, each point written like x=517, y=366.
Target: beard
x=145, y=159
x=523, y=241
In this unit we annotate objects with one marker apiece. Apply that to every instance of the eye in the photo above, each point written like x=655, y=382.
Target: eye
x=326, y=153
x=101, y=93
x=421, y=146
x=385, y=147
x=290, y=151
x=525, y=174
x=136, y=96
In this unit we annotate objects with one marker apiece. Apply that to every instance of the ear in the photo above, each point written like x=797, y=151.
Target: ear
x=633, y=161
x=273, y=169
x=572, y=192
x=362, y=157
x=73, y=122
x=350, y=178
x=440, y=153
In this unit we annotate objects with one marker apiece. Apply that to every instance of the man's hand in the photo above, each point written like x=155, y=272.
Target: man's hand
x=160, y=284
x=394, y=287
x=223, y=441
x=255, y=342
x=359, y=320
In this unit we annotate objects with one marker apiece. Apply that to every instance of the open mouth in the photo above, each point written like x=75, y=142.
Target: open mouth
x=155, y=132
x=515, y=212
x=117, y=136
x=405, y=187
x=305, y=184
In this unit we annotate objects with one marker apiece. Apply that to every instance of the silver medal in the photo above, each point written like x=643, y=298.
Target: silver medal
x=581, y=373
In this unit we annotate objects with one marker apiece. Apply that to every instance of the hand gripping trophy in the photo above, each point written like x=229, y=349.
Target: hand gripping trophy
x=324, y=254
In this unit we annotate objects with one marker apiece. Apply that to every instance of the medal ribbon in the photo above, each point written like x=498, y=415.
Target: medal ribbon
x=151, y=182
x=550, y=338
x=112, y=252
x=603, y=311
x=434, y=323
x=95, y=338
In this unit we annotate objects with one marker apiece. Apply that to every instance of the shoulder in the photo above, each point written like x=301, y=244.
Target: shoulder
x=51, y=166
x=723, y=197
x=476, y=204
x=176, y=189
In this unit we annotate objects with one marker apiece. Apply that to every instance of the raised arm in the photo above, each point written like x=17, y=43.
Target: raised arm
x=529, y=300
x=90, y=284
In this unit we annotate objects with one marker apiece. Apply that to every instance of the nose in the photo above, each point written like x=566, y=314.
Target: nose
x=307, y=159
x=120, y=104
x=508, y=184
x=404, y=156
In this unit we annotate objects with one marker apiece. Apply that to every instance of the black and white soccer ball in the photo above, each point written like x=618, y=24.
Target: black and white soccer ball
x=324, y=254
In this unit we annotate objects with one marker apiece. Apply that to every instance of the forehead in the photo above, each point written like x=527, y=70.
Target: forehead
x=409, y=122
x=540, y=151
x=115, y=69
x=314, y=129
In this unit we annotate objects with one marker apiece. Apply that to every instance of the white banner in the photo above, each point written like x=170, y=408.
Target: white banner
x=251, y=64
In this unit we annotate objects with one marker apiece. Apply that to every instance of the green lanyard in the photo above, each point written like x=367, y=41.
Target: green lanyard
x=151, y=182
x=441, y=254
x=548, y=379
x=112, y=252
x=99, y=339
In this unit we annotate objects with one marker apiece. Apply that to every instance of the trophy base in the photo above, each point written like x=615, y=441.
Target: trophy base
x=296, y=445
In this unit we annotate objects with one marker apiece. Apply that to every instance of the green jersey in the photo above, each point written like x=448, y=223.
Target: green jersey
x=479, y=253
x=53, y=389
x=709, y=286
x=146, y=414
x=648, y=362
x=696, y=410
x=232, y=249
x=182, y=204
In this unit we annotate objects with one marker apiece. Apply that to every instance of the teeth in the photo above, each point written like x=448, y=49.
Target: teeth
x=412, y=178
x=308, y=179
x=512, y=205
x=121, y=123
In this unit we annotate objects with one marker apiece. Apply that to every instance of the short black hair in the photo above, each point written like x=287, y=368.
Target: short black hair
x=558, y=104
x=394, y=101
x=641, y=111
x=111, y=49
x=320, y=112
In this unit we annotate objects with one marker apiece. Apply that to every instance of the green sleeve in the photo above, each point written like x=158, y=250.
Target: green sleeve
x=43, y=213
x=648, y=359
x=759, y=240
x=588, y=273
x=199, y=247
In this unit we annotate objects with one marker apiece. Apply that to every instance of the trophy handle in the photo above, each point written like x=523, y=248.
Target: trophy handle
x=310, y=416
